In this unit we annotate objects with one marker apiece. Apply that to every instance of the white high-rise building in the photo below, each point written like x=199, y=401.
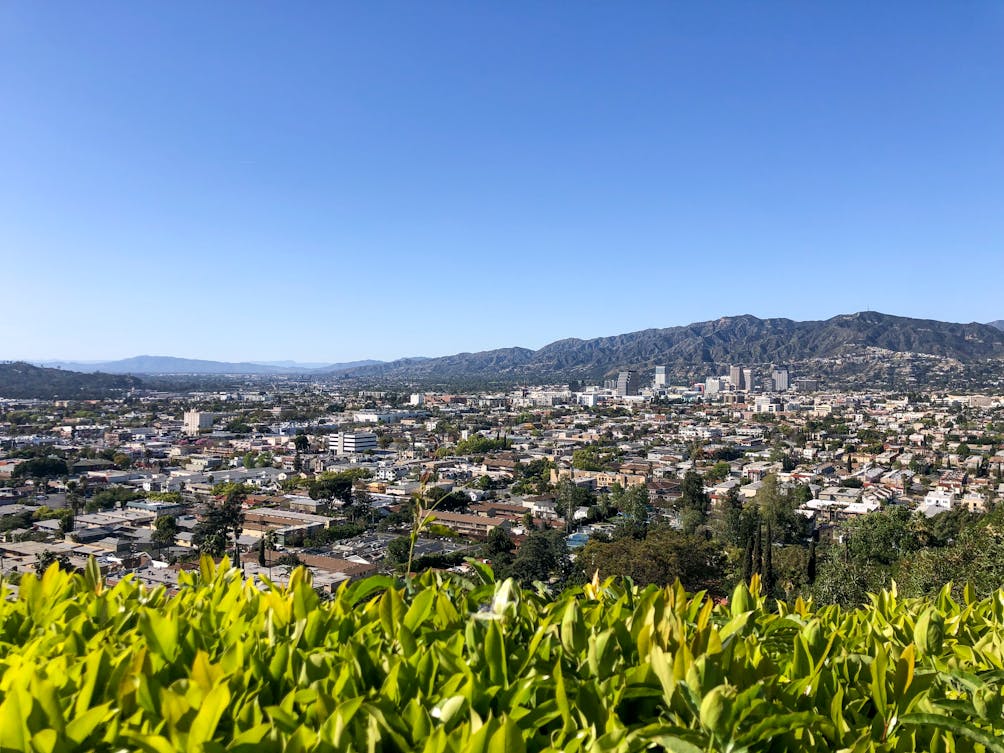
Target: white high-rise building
x=714, y=385
x=779, y=377
x=660, y=376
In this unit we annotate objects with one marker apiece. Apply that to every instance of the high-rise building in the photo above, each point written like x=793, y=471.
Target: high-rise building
x=748, y=380
x=779, y=378
x=736, y=377
x=714, y=385
x=627, y=383
x=806, y=384
x=660, y=376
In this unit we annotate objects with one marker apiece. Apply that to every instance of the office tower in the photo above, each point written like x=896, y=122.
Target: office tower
x=660, y=376
x=736, y=377
x=748, y=380
x=779, y=377
x=627, y=383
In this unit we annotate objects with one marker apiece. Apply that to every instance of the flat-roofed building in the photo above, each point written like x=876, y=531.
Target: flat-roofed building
x=352, y=443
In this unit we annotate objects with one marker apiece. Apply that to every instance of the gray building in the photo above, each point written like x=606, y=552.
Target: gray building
x=627, y=383
x=736, y=377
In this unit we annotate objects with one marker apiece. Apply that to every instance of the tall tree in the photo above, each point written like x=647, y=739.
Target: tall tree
x=661, y=557
x=693, y=503
x=769, y=580
x=221, y=524
x=810, y=568
x=748, y=557
x=165, y=530
x=732, y=517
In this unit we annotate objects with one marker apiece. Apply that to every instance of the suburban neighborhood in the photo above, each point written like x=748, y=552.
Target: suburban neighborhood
x=354, y=482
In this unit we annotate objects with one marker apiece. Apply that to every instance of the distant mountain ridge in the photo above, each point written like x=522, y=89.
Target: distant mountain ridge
x=701, y=348
x=173, y=365
x=712, y=344
x=24, y=381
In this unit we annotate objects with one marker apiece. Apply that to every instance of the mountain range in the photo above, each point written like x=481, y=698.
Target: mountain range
x=709, y=347
x=172, y=365
x=698, y=349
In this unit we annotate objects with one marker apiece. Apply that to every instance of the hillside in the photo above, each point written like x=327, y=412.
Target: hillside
x=713, y=345
x=22, y=380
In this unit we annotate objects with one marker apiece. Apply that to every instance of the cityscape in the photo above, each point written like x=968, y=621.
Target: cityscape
x=501, y=378
x=542, y=481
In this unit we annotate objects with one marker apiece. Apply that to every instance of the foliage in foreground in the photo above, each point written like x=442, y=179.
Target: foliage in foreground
x=446, y=665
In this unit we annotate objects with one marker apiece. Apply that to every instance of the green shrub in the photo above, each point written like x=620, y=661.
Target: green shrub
x=442, y=664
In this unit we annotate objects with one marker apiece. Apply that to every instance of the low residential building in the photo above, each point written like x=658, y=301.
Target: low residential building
x=478, y=526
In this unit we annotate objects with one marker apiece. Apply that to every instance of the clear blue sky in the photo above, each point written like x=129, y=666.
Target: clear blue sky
x=332, y=181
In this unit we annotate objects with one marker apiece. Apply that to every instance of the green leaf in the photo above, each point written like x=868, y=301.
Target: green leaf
x=355, y=592
x=44, y=694
x=485, y=573
x=160, y=631
x=92, y=575
x=83, y=725
x=391, y=611
x=495, y=654
x=572, y=630
x=14, y=711
x=420, y=608
x=152, y=743
x=507, y=738
x=674, y=744
x=878, y=679
x=46, y=741
x=956, y=727
x=448, y=708
x=210, y=712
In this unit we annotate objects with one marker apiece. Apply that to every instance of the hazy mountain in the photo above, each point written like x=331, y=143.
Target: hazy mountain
x=22, y=380
x=347, y=365
x=998, y=323
x=711, y=345
x=172, y=365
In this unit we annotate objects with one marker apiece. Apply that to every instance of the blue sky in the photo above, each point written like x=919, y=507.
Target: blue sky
x=329, y=181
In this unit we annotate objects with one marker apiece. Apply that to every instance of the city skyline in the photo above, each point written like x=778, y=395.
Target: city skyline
x=243, y=184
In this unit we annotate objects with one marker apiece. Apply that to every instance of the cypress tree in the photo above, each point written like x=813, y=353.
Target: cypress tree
x=810, y=568
x=758, y=549
x=769, y=581
x=748, y=558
